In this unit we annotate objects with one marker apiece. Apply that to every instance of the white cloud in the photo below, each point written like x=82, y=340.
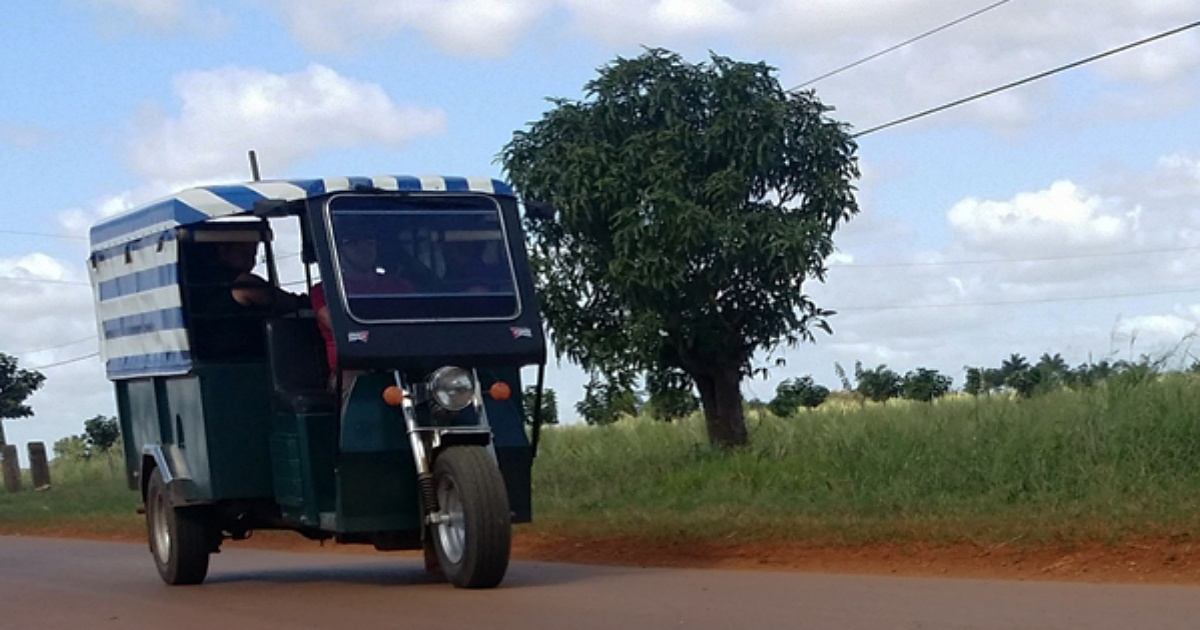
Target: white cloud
x=283, y=117
x=1044, y=220
x=22, y=136
x=637, y=22
x=470, y=28
x=160, y=16
x=163, y=12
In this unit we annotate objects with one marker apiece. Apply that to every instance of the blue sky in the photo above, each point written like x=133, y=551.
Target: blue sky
x=1062, y=216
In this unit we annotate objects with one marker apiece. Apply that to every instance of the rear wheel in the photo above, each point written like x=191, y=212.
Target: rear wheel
x=474, y=534
x=181, y=539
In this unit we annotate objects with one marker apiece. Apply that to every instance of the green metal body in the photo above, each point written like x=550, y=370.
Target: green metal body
x=217, y=436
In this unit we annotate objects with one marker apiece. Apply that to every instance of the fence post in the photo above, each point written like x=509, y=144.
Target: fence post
x=39, y=466
x=12, y=468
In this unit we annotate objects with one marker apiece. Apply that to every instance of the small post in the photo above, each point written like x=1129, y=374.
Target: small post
x=12, y=468
x=254, y=166
x=39, y=465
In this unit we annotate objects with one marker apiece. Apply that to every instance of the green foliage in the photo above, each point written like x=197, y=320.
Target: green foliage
x=670, y=395
x=878, y=384
x=795, y=393
x=549, y=405
x=1089, y=465
x=694, y=201
x=605, y=401
x=924, y=384
x=15, y=386
x=101, y=433
x=74, y=447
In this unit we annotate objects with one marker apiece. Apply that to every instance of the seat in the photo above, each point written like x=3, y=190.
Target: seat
x=296, y=359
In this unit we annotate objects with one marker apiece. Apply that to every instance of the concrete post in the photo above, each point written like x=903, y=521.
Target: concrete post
x=39, y=466
x=12, y=468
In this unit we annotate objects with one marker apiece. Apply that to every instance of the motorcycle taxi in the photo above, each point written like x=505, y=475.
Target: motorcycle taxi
x=399, y=426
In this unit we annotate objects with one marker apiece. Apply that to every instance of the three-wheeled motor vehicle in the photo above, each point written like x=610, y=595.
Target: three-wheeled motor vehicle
x=234, y=420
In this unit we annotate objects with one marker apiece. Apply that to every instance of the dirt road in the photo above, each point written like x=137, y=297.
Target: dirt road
x=70, y=584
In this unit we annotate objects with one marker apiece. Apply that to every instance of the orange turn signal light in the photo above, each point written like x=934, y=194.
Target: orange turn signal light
x=500, y=391
x=393, y=395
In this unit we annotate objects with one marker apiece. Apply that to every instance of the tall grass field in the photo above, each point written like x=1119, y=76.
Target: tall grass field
x=1115, y=462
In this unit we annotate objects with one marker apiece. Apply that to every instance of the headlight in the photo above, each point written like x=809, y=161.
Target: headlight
x=452, y=388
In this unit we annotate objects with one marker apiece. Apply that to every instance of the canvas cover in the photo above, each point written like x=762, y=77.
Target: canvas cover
x=134, y=261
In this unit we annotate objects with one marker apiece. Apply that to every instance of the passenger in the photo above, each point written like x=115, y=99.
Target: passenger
x=230, y=301
x=248, y=289
x=357, y=253
x=468, y=268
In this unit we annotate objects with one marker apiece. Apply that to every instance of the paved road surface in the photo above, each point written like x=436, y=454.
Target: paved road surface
x=48, y=584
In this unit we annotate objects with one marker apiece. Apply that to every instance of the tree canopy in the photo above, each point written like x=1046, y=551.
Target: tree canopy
x=15, y=386
x=694, y=201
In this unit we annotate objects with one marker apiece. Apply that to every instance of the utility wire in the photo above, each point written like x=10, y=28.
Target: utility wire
x=949, y=263
x=900, y=45
x=61, y=345
x=1029, y=79
x=46, y=280
x=1086, y=298
x=46, y=234
x=63, y=362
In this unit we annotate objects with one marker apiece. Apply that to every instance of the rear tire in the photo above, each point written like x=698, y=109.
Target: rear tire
x=474, y=538
x=181, y=539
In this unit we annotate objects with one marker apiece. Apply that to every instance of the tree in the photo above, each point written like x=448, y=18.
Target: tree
x=924, y=384
x=101, y=433
x=549, y=405
x=795, y=393
x=670, y=396
x=693, y=202
x=605, y=401
x=71, y=447
x=15, y=386
x=878, y=384
x=1053, y=371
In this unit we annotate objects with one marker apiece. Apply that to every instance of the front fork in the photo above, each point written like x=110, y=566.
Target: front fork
x=425, y=442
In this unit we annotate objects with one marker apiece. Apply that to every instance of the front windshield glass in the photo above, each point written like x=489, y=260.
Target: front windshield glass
x=422, y=258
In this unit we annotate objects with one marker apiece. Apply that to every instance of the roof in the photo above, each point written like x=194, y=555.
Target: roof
x=134, y=262
x=206, y=202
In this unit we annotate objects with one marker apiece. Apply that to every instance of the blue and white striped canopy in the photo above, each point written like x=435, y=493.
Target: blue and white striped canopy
x=135, y=261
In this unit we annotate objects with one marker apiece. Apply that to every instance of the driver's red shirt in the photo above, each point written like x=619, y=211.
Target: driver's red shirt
x=317, y=296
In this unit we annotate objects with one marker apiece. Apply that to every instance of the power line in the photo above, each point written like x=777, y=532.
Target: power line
x=61, y=345
x=63, y=362
x=46, y=234
x=948, y=263
x=46, y=280
x=901, y=44
x=1029, y=79
x=1086, y=298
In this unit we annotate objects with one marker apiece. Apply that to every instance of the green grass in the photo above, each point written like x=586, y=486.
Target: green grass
x=1116, y=462
x=1105, y=464
x=84, y=496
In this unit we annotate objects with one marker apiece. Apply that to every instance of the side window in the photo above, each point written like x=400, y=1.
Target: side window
x=220, y=329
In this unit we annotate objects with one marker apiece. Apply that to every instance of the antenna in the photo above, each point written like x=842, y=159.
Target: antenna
x=254, y=166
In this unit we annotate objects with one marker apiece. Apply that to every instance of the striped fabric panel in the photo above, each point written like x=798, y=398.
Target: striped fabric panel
x=157, y=364
x=198, y=204
x=135, y=270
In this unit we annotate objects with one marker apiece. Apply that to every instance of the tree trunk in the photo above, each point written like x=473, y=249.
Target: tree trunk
x=721, y=396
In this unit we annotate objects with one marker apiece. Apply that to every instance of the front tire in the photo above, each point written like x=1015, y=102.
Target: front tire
x=181, y=539
x=473, y=539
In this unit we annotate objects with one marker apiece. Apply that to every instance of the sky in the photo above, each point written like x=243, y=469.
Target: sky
x=1062, y=216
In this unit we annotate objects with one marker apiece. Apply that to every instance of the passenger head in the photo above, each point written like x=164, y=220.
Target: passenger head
x=238, y=255
x=357, y=247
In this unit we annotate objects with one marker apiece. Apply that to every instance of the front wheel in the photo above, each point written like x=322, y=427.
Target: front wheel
x=473, y=534
x=180, y=538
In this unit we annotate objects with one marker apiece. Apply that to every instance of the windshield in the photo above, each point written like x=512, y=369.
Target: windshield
x=422, y=258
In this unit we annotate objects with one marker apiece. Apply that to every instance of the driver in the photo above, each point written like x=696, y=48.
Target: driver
x=358, y=258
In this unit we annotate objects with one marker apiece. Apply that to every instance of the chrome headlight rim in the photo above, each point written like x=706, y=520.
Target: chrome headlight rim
x=451, y=388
